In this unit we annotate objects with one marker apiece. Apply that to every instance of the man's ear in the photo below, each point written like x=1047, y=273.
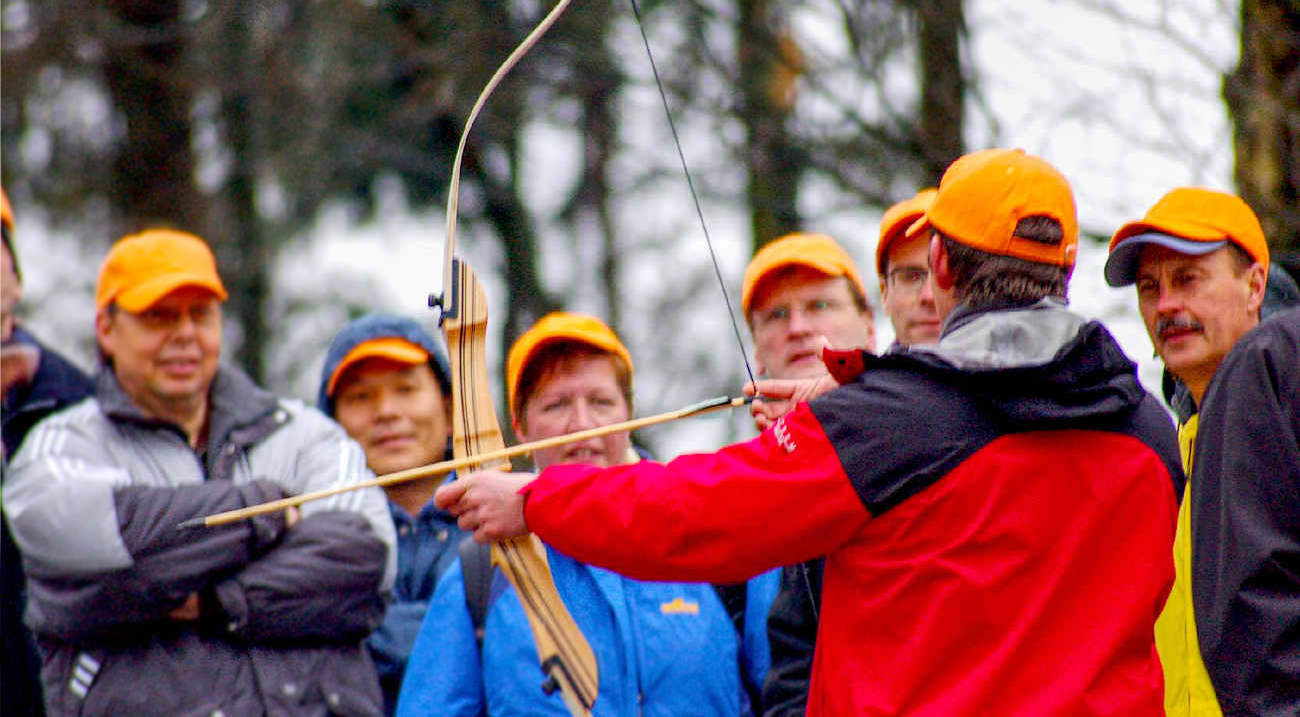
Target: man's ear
x=1257, y=283
x=104, y=331
x=940, y=272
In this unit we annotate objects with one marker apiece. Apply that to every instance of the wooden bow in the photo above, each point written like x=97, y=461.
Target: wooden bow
x=566, y=658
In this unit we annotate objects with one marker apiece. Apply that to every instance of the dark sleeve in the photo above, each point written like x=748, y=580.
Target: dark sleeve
x=168, y=564
x=320, y=582
x=1246, y=523
x=791, y=635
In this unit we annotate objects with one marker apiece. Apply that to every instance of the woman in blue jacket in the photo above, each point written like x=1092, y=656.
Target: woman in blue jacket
x=661, y=648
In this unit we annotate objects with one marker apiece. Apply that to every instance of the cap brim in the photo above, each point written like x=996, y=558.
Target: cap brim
x=1121, y=265
x=821, y=265
x=918, y=228
x=391, y=348
x=138, y=298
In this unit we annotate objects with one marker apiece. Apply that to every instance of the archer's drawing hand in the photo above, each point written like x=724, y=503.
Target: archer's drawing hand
x=777, y=397
x=487, y=503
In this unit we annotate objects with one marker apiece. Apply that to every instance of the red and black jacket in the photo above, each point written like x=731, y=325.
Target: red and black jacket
x=998, y=534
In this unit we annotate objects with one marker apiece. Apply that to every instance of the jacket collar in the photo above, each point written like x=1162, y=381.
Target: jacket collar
x=1007, y=336
x=233, y=401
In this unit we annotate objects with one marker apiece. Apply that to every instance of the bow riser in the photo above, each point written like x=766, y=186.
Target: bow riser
x=565, y=657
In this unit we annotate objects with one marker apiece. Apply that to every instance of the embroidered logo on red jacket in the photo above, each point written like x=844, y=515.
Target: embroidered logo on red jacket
x=782, y=435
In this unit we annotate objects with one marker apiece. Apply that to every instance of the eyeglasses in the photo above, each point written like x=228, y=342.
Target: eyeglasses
x=908, y=279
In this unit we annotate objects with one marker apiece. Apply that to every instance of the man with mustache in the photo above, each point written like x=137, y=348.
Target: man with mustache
x=135, y=616
x=387, y=382
x=904, y=276
x=662, y=648
x=965, y=494
x=1200, y=263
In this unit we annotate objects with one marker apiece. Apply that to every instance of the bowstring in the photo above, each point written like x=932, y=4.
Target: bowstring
x=690, y=184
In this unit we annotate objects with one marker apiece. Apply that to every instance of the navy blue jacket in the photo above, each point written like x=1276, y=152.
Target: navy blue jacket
x=57, y=384
x=426, y=548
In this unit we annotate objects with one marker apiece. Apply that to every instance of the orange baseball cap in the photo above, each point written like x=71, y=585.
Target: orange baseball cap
x=815, y=251
x=984, y=195
x=559, y=326
x=142, y=268
x=898, y=219
x=1189, y=220
x=389, y=347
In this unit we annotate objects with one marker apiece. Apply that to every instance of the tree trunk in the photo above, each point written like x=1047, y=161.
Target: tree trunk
x=769, y=64
x=943, y=87
x=504, y=209
x=153, y=170
x=246, y=253
x=1263, y=96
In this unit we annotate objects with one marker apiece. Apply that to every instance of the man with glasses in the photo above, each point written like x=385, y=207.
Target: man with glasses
x=800, y=292
x=133, y=616
x=901, y=258
x=901, y=264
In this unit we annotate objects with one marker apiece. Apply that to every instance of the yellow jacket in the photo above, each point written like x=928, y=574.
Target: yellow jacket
x=1188, y=692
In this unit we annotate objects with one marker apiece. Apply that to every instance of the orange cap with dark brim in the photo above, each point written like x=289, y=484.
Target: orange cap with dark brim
x=559, y=326
x=1188, y=220
x=142, y=268
x=815, y=251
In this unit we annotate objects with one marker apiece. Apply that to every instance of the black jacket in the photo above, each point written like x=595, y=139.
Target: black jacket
x=1246, y=523
x=791, y=636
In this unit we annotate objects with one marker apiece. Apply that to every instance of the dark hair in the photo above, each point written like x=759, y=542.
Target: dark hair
x=1240, y=259
x=982, y=279
x=549, y=355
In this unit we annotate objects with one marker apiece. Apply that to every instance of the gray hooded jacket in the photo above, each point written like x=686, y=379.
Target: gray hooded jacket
x=94, y=498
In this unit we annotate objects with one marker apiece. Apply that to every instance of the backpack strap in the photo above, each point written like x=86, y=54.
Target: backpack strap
x=476, y=564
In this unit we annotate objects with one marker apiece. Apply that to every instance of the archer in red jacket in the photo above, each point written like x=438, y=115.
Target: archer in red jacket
x=997, y=510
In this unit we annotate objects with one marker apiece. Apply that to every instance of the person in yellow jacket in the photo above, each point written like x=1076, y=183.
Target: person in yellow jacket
x=1200, y=262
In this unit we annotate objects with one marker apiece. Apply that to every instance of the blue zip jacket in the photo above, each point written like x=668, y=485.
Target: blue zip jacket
x=662, y=649
x=426, y=547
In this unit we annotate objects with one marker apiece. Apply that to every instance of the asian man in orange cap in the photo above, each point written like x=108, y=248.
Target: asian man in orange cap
x=387, y=382
x=965, y=493
x=136, y=616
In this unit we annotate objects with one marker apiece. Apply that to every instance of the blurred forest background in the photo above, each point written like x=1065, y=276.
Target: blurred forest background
x=275, y=127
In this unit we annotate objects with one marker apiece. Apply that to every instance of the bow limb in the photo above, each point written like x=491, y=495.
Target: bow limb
x=566, y=658
x=453, y=190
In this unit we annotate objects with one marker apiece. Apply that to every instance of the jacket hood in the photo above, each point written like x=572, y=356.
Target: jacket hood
x=1036, y=365
x=376, y=326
